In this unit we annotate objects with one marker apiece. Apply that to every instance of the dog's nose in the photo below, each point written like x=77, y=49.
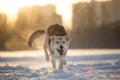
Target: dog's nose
x=61, y=47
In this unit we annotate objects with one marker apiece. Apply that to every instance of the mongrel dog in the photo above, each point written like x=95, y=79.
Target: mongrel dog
x=56, y=43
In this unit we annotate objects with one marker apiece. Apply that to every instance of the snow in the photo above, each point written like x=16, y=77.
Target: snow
x=79, y=67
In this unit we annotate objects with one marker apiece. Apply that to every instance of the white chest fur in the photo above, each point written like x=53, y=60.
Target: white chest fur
x=56, y=55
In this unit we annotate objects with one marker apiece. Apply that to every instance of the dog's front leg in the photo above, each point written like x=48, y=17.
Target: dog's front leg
x=64, y=62
x=45, y=49
x=61, y=62
x=53, y=63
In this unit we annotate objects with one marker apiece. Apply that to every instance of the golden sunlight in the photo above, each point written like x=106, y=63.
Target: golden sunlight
x=63, y=7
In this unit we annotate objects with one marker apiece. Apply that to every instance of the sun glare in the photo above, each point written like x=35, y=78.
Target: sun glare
x=63, y=7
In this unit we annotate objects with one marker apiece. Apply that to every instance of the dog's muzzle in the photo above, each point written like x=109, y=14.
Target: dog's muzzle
x=60, y=51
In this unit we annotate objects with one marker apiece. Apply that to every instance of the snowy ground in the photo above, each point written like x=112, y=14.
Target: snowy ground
x=81, y=65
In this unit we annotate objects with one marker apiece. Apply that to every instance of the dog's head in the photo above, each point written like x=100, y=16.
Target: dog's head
x=60, y=44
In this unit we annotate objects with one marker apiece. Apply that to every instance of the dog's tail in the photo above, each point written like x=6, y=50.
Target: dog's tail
x=35, y=35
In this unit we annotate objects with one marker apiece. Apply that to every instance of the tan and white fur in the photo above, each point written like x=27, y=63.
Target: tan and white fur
x=56, y=43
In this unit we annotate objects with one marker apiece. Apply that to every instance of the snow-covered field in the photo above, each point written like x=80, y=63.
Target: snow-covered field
x=81, y=65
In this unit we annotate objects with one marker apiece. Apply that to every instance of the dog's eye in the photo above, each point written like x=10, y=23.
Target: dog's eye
x=57, y=42
x=63, y=41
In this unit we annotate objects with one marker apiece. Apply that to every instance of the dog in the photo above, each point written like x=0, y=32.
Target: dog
x=56, y=43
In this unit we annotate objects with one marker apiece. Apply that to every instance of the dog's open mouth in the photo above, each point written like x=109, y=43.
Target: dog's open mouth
x=60, y=51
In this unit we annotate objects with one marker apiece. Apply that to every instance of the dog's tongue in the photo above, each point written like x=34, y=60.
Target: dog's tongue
x=60, y=51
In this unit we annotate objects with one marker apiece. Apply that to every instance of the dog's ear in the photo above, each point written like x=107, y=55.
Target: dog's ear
x=52, y=38
x=68, y=38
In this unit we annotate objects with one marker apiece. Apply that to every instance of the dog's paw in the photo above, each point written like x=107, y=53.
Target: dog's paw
x=47, y=58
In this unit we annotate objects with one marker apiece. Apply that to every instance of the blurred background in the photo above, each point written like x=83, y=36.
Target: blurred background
x=92, y=24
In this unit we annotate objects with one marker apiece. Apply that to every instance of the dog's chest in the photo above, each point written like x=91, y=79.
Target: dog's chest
x=56, y=55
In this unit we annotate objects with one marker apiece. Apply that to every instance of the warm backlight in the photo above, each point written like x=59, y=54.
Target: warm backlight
x=63, y=7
